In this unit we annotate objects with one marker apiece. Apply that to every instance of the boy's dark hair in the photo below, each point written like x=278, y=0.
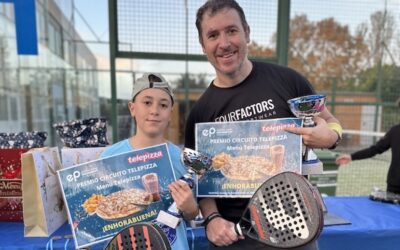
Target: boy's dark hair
x=215, y=6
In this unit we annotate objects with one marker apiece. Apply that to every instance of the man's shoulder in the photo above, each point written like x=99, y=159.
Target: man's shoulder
x=273, y=67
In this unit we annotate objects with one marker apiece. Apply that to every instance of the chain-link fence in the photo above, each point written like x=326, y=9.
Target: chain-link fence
x=349, y=50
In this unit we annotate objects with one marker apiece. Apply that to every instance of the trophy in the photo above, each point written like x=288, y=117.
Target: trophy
x=197, y=164
x=307, y=107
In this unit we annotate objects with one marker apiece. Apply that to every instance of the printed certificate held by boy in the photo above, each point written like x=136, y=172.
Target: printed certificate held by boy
x=245, y=154
x=109, y=194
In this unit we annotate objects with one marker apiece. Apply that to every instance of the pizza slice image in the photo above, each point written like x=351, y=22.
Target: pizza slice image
x=119, y=204
x=244, y=167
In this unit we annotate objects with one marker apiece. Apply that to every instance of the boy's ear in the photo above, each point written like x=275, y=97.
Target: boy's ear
x=131, y=107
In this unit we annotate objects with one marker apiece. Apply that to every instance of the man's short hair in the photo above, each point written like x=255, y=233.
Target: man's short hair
x=214, y=6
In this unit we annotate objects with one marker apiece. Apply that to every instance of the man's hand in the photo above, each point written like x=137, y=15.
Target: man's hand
x=221, y=232
x=320, y=136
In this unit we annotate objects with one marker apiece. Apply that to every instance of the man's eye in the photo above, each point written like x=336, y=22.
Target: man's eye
x=147, y=103
x=212, y=36
x=232, y=31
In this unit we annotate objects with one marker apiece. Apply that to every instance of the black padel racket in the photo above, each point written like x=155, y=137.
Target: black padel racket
x=284, y=212
x=140, y=236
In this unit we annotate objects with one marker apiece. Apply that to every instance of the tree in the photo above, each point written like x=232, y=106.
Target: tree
x=198, y=81
x=256, y=50
x=324, y=50
x=381, y=35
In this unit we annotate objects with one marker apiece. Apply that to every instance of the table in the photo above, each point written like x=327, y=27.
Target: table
x=375, y=226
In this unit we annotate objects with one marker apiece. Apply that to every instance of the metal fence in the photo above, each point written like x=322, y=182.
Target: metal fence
x=349, y=50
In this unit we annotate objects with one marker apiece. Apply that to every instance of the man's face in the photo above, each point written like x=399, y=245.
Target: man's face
x=224, y=41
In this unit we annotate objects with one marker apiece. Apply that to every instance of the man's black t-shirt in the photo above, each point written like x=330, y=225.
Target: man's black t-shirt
x=262, y=95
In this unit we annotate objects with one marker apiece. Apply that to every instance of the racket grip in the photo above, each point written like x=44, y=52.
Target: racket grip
x=238, y=230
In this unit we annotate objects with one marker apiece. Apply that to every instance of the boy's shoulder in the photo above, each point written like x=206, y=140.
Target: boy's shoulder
x=117, y=148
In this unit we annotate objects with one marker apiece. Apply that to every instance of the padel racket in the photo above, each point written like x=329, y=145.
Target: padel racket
x=284, y=212
x=140, y=236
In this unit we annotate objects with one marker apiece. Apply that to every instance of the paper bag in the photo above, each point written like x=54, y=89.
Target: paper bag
x=10, y=184
x=43, y=207
x=75, y=156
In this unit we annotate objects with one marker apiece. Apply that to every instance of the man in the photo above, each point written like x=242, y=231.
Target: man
x=261, y=89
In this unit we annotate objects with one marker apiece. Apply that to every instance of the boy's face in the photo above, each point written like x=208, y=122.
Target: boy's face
x=224, y=41
x=152, y=111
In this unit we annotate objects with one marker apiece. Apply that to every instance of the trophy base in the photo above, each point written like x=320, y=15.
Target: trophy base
x=312, y=167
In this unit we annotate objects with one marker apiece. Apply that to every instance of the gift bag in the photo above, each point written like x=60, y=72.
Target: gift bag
x=10, y=184
x=43, y=205
x=12, y=146
x=84, y=133
x=75, y=156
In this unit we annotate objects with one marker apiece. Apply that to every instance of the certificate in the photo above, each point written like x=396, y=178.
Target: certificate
x=246, y=153
x=109, y=194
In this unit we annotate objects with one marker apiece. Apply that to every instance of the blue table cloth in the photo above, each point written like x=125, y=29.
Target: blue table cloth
x=374, y=226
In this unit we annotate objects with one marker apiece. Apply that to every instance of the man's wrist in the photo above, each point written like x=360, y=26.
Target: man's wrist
x=211, y=217
x=338, y=130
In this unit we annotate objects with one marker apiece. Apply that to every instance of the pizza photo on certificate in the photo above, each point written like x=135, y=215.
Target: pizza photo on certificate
x=119, y=204
x=244, y=167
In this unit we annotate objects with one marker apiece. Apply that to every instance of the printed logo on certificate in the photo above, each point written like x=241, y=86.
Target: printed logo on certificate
x=245, y=154
x=109, y=194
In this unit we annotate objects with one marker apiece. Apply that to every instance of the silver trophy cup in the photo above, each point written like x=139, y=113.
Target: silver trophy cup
x=307, y=107
x=196, y=162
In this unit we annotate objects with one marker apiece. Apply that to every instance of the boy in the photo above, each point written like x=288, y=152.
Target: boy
x=151, y=108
